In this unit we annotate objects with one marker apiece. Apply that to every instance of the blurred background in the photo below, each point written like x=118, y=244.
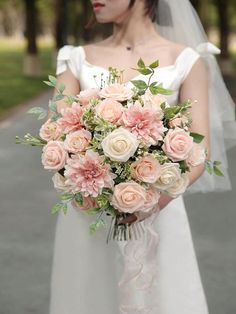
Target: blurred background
x=31, y=32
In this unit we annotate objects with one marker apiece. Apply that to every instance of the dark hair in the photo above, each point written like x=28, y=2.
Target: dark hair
x=150, y=8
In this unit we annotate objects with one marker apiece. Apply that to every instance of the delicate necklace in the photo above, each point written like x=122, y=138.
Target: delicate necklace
x=131, y=47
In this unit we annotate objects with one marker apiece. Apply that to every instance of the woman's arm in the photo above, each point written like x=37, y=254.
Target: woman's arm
x=71, y=88
x=194, y=87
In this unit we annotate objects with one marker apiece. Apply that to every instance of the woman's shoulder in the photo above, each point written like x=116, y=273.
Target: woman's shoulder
x=173, y=49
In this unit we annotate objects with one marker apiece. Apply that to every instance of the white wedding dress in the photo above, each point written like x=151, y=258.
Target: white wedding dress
x=86, y=270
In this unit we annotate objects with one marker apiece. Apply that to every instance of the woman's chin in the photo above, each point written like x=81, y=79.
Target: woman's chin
x=103, y=20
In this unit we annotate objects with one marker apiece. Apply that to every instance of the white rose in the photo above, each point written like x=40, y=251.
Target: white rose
x=179, y=186
x=170, y=173
x=120, y=145
x=59, y=182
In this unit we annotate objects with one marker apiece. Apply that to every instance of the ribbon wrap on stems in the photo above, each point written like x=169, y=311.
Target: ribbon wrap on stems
x=139, y=270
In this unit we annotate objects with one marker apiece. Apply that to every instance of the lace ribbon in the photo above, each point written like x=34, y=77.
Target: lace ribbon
x=139, y=272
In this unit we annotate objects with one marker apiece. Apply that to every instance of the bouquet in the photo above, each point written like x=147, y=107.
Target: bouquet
x=114, y=150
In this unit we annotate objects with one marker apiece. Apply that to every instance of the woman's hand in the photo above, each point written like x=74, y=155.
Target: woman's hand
x=164, y=200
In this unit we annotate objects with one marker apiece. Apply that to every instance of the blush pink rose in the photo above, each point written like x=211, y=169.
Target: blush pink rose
x=177, y=144
x=128, y=197
x=153, y=101
x=197, y=155
x=54, y=155
x=50, y=130
x=110, y=110
x=117, y=92
x=179, y=121
x=146, y=169
x=71, y=119
x=88, y=202
x=86, y=95
x=77, y=141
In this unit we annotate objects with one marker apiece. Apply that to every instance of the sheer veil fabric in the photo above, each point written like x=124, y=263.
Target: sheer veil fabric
x=178, y=21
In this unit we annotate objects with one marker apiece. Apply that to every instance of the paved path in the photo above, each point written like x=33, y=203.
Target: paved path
x=27, y=228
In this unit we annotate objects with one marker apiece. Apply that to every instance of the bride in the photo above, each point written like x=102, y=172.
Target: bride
x=86, y=271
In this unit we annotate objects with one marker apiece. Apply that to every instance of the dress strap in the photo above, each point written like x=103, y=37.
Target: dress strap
x=185, y=62
x=69, y=56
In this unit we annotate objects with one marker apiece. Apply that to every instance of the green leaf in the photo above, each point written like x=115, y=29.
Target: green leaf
x=52, y=79
x=145, y=71
x=197, y=137
x=39, y=111
x=48, y=83
x=95, y=225
x=217, y=163
x=139, y=84
x=208, y=167
x=163, y=91
x=59, y=97
x=102, y=200
x=141, y=63
x=42, y=115
x=56, y=208
x=64, y=208
x=93, y=210
x=66, y=196
x=79, y=198
x=56, y=116
x=154, y=65
x=62, y=87
x=217, y=172
x=52, y=106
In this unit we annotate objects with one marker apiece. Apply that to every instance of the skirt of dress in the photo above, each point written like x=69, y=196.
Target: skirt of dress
x=86, y=270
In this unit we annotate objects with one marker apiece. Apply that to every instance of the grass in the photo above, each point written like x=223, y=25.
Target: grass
x=14, y=87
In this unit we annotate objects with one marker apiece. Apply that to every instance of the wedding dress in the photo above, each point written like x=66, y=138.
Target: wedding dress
x=86, y=270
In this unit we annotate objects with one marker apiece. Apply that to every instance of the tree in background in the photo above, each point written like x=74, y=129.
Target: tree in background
x=31, y=66
x=61, y=22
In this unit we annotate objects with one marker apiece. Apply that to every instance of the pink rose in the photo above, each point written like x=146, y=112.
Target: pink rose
x=128, y=197
x=54, y=155
x=197, y=155
x=117, y=92
x=71, y=119
x=177, y=144
x=110, y=110
x=146, y=169
x=86, y=95
x=151, y=205
x=88, y=202
x=179, y=121
x=50, y=130
x=153, y=101
x=77, y=141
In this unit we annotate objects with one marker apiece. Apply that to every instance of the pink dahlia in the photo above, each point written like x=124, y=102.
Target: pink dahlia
x=88, y=174
x=144, y=123
x=71, y=119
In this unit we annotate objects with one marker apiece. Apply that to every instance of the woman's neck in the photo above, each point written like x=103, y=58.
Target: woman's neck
x=134, y=29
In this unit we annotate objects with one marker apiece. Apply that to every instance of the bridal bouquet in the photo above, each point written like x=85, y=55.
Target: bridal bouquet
x=115, y=149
